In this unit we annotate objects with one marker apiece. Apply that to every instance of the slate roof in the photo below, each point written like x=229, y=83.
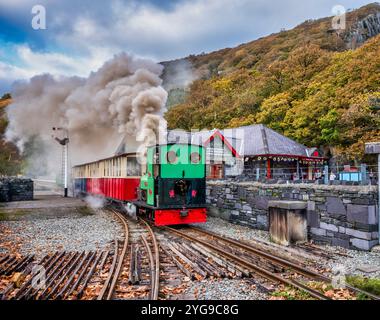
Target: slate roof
x=248, y=141
x=260, y=140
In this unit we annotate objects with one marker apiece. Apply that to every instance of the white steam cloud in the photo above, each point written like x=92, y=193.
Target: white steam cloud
x=124, y=98
x=95, y=202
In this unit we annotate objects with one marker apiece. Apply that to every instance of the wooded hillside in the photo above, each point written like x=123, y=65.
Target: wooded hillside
x=307, y=83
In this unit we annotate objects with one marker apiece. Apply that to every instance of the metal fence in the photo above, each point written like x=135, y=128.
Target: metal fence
x=337, y=174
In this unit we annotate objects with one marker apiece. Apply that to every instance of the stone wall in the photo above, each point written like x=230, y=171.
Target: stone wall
x=344, y=216
x=16, y=189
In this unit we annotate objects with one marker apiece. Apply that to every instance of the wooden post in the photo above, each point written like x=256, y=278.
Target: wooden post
x=310, y=173
x=269, y=174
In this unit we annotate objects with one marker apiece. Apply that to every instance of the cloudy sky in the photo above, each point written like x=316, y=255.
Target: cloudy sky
x=81, y=34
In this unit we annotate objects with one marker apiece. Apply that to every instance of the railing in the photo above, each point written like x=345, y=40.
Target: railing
x=365, y=175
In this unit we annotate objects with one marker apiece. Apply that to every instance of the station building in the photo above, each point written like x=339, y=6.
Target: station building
x=253, y=152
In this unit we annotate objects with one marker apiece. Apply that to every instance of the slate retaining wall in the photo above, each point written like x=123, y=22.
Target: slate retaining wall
x=345, y=216
x=16, y=189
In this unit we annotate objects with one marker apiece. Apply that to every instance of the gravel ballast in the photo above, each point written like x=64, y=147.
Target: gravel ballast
x=88, y=232
x=225, y=289
x=350, y=260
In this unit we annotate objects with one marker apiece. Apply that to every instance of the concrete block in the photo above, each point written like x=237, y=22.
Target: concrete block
x=340, y=243
x=289, y=205
x=262, y=220
x=229, y=196
x=361, y=213
x=342, y=229
x=235, y=213
x=363, y=244
x=318, y=232
x=321, y=239
x=311, y=205
x=329, y=227
x=375, y=235
x=372, y=218
x=335, y=206
x=313, y=219
x=359, y=234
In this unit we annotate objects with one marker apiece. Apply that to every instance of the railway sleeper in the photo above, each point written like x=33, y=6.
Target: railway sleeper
x=205, y=262
x=231, y=268
x=194, y=266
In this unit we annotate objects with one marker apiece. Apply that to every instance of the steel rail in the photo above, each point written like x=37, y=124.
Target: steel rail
x=121, y=257
x=55, y=274
x=283, y=262
x=262, y=272
x=10, y=266
x=64, y=274
x=26, y=272
x=280, y=261
x=48, y=266
x=110, y=273
x=157, y=261
x=24, y=264
x=23, y=291
x=60, y=294
x=4, y=259
x=88, y=277
x=151, y=262
x=80, y=276
x=8, y=262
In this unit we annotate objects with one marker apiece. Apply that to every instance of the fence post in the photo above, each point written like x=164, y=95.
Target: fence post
x=363, y=171
x=326, y=174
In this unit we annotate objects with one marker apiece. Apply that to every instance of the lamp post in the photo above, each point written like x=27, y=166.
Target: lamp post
x=65, y=143
x=374, y=148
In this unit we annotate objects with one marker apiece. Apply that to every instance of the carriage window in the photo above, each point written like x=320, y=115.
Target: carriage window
x=133, y=167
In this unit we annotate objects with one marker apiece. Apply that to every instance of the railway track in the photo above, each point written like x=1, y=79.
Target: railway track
x=57, y=276
x=135, y=269
x=132, y=269
x=269, y=266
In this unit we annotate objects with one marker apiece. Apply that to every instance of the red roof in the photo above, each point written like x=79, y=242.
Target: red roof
x=217, y=133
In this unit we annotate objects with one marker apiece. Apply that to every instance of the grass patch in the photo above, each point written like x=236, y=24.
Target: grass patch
x=12, y=214
x=289, y=293
x=370, y=285
x=85, y=211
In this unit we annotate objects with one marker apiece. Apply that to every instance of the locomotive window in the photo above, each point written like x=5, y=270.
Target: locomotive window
x=171, y=157
x=133, y=167
x=195, y=157
x=156, y=170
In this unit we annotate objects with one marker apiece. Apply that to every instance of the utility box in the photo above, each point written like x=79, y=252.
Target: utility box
x=288, y=222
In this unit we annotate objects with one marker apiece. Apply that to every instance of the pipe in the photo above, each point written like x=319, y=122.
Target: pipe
x=65, y=148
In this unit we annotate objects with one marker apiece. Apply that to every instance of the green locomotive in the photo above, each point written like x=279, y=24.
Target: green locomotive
x=173, y=189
